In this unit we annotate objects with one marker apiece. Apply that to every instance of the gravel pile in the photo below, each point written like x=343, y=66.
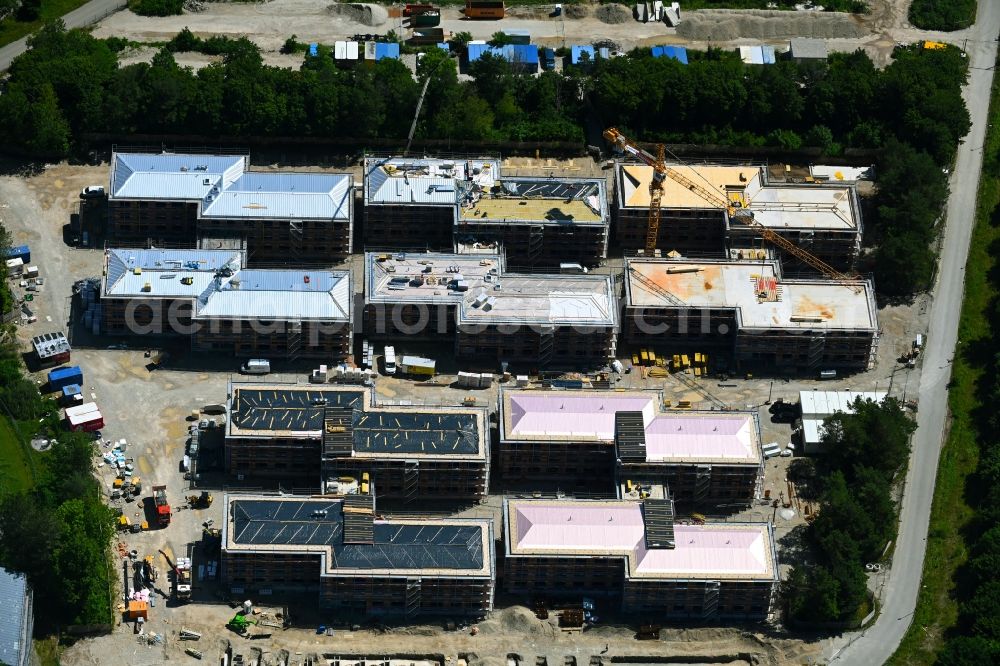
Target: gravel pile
x=613, y=14
x=370, y=15
x=576, y=11
x=721, y=25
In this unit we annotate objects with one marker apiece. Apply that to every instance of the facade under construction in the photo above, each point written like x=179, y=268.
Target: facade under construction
x=355, y=563
x=441, y=204
x=188, y=200
x=698, y=220
x=224, y=307
x=493, y=316
x=287, y=432
x=636, y=553
x=746, y=311
x=626, y=444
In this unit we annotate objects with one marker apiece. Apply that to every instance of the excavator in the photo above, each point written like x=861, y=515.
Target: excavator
x=736, y=205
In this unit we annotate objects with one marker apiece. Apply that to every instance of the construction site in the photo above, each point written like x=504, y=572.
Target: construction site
x=709, y=209
x=209, y=296
x=336, y=437
x=215, y=201
x=473, y=522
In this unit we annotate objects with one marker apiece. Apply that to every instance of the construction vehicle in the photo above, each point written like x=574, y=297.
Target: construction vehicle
x=162, y=506
x=240, y=624
x=202, y=501
x=149, y=570
x=734, y=203
x=182, y=579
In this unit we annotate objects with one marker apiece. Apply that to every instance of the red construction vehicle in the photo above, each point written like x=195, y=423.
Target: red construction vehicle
x=162, y=507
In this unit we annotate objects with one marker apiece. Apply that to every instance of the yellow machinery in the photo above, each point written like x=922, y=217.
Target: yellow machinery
x=735, y=203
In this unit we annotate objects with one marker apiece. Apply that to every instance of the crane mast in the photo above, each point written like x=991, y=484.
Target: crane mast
x=737, y=209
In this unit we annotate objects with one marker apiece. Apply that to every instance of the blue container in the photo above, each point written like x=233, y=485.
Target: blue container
x=61, y=377
x=19, y=252
x=71, y=393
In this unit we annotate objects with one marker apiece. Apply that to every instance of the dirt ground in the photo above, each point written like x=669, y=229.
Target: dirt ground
x=149, y=409
x=269, y=24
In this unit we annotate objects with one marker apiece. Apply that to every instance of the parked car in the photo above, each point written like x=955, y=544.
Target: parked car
x=92, y=192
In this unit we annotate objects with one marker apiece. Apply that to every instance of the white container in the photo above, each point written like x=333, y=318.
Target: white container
x=31, y=271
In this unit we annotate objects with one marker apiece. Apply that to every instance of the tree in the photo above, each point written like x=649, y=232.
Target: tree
x=500, y=38
x=29, y=10
x=812, y=595
x=8, y=7
x=969, y=651
x=876, y=435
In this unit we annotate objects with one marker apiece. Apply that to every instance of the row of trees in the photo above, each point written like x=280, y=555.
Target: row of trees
x=857, y=516
x=943, y=14
x=22, y=10
x=69, y=83
x=57, y=533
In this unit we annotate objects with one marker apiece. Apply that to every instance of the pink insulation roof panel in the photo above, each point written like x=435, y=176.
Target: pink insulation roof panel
x=726, y=437
x=591, y=416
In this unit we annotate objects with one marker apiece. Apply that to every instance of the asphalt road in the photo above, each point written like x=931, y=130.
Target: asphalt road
x=878, y=643
x=92, y=12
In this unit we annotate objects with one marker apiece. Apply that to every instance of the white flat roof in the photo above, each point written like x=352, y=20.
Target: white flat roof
x=558, y=300
x=803, y=207
x=547, y=528
x=384, y=278
x=817, y=405
x=278, y=295
x=403, y=180
x=801, y=304
x=164, y=271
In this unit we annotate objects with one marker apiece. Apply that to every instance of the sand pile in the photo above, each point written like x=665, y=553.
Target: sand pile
x=371, y=15
x=516, y=620
x=576, y=11
x=613, y=14
x=722, y=25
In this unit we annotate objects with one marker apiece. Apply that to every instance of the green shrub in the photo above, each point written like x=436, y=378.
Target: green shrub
x=157, y=7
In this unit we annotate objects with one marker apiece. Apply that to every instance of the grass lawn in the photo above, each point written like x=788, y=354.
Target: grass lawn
x=937, y=609
x=15, y=470
x=11, y=30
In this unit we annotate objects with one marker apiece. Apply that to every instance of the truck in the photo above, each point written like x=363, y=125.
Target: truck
x=182, y=579
x=162, y=506
x=256, y=366
x=548, y=59
x=415, y=365
x=390, y=360
x=61, y=377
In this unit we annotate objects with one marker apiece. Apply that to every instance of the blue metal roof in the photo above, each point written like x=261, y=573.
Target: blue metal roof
x=283, y=195
x=163, y=271
x=15, y=630
x=678, y=53
x=386, y=50
x=577, y=54
x=172, y=176
x=278, y=295
x=516, y=54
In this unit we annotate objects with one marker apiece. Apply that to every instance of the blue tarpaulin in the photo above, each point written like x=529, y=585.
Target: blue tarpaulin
x=313, y=49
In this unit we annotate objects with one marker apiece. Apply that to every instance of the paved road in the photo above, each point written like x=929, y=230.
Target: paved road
x=92, y=12
x=900, y=595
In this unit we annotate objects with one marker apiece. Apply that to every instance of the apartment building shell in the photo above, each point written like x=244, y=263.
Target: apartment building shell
x=637, y=554
x=746, y=311
x=623, y=439
x=298, y=432
x=183, y=200
x=357, y=564
x=440, y=204
x=224, y=307
x=823, y=219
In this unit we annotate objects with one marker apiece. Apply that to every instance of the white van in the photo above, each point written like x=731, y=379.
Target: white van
x=390, y=361
x=256, y=366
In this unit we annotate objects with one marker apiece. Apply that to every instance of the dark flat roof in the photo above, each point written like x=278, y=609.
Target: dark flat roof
x=436, y=545
x=291, y=409
x=415, y=432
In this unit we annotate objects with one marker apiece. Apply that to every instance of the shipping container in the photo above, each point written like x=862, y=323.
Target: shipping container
x=71, y=395
x=61, y=377
x=18, y=252
x=415, y=365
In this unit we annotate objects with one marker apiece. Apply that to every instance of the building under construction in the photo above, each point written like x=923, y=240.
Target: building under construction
x=417, y=295
x=224, y=307
x=637, y=554
x=187, y=200
x=696, y=220
x=625, y=444
x=541, y=320
x=410, y=202
x=441, y=204
x=745, y=311
x=288, y=432
x=355, y=563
